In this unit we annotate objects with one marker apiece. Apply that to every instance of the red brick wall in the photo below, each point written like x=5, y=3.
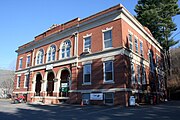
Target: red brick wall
x=97, y=36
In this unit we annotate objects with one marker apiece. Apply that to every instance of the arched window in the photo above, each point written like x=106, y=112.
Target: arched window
x=40, y=56
x=66, y=49
x=52, y=53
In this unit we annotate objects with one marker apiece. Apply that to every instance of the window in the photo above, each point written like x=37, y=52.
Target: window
x=138, y=74
x=20, y=63
x=66, y=49
x=18, y=81
x=132, y=74
x=136, y=45
x=109, y=98
x=28, y=60
x=40, y=56
x=87, y=73
x=108, y=39
x=157, y=60
x=151, y=61
x=52, y=53
x=141, y=49
x=108, y=71
x=26, y=81
x=87, y=43
x=130, y=42
x=143, y=75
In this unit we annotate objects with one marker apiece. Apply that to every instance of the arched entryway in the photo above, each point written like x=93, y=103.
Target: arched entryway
x=50, y=83
x=38, y=84
x=64, y=83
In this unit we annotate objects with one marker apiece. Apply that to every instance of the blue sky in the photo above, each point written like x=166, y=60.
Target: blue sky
x=22, y=20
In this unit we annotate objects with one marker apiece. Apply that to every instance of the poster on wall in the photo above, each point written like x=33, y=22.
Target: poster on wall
x=96, y=96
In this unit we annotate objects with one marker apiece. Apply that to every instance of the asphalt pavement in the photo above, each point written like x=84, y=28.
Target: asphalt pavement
x=169, y=110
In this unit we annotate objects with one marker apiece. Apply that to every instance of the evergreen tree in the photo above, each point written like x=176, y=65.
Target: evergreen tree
x=157, y=16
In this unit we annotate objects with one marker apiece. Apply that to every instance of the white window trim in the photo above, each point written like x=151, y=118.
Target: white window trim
x=130, y=32
x=133, y=79
x=112, y=58
x=138, y=74
x=107, y=29
x=130, y=42
x=142, y=48
x=136, y=38
x=21, y=63
x=25, y=79
x=104, y=80
x=103, y=31
x=87, y=83
x=144, y=81
x=87, y=35
x=17, y=82
x=27, y=61
x=84, y=37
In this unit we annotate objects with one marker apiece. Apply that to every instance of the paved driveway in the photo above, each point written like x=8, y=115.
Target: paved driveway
x=166, y=111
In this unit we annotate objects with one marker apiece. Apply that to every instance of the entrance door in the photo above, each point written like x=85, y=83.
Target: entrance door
x=50, y=84
x=38, y=84
x=64, y=84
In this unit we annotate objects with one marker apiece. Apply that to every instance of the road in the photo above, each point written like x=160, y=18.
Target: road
x=165, y=111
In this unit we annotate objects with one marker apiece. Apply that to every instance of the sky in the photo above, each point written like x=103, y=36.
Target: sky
x=22, y=20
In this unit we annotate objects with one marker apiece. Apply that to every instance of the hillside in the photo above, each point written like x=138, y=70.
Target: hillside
x=174, y=80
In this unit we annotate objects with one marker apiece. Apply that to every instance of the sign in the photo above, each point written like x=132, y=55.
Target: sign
x=96, y=96
x=64, y=89
x=64, y=85
x=49, y=67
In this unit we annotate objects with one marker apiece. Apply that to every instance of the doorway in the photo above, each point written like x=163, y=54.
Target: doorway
x=50, y=84
x=38, y=84
x=64, y=83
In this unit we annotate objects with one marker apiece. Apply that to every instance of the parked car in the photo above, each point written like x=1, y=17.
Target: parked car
x=20, y=99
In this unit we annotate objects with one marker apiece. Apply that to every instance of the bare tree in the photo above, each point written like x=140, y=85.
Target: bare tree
x=7, y=81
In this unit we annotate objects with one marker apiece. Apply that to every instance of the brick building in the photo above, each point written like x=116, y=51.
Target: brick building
x=102, y=59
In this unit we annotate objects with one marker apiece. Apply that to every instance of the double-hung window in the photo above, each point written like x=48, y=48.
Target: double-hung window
x=130, y=41
x=107, y=39
x=151, y=61
x=20, y=63
x=138, y=74
x=18, y=82
x=28, y=60
x=132, y=74
x=26, y=81
x=136, y=44
x=87, y=43
x=141, y=49
x=108, y=71
x=87, y=74
x=143, y=75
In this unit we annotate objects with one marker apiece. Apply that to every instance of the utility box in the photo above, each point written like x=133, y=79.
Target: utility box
x=132, y=101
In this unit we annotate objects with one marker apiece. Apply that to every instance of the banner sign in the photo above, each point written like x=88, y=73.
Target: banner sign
x=96, y=96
